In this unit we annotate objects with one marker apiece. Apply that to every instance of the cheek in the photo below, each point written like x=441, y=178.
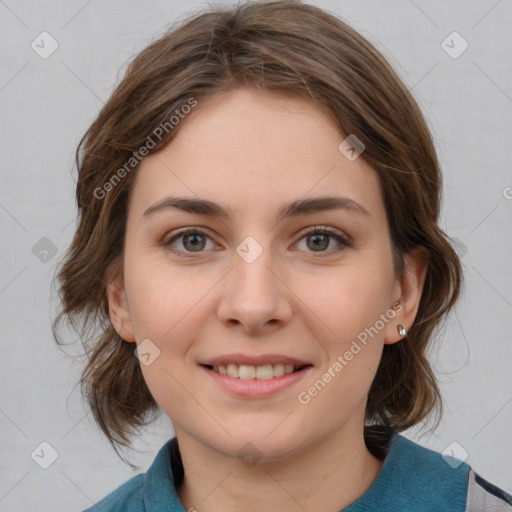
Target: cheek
x=166, y=309
x=350, y=305
x=348, y=301
x=162, y=300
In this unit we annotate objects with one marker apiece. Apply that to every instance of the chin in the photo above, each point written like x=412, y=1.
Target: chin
x=260, y=444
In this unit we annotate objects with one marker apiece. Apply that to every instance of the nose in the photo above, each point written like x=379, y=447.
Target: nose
x=254, y=295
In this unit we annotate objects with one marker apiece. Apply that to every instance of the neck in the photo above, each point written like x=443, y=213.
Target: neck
x=329, y=476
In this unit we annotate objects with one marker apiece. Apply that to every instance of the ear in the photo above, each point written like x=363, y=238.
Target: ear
x=407, y=293
x=119, y=310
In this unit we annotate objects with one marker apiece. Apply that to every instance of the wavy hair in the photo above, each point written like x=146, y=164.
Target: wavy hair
x=286, y=47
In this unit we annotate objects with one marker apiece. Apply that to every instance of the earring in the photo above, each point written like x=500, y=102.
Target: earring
x=402, y=330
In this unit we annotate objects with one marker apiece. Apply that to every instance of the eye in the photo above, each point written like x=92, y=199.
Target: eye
x=194, y=240
x=319, y=237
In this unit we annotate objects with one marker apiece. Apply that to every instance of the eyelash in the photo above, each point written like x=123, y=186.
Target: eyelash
x=313, y=230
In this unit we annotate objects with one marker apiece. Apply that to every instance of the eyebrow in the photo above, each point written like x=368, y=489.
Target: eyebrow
x=306, y=206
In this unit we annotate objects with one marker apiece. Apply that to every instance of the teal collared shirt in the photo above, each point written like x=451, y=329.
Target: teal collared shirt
x=412, y=479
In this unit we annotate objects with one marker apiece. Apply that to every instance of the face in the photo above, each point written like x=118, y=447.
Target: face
x=293, y=302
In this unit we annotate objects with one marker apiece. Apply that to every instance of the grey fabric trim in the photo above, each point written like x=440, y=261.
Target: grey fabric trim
x=482, y=496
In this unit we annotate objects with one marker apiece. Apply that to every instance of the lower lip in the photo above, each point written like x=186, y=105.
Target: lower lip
x=255, y=387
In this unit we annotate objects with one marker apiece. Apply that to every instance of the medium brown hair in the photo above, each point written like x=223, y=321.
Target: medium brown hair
x=285, y=47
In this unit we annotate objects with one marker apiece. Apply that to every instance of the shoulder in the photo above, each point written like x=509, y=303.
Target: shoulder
x=153, y=491
x=433, y=480
x=436, y=481
x=126, y=498
x=457, y=484
x=482, y=495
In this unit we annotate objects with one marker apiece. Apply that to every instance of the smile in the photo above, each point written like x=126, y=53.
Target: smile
x=255, y=381
x=248, y=372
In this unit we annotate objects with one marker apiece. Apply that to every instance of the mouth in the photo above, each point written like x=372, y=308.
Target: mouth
x=253, y=372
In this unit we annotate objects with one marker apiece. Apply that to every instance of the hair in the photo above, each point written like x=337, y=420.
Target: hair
x=284, y=47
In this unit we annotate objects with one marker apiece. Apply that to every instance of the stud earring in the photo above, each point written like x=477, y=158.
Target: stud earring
x=401, y=330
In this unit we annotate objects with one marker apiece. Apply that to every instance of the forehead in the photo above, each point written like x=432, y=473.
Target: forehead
x=245, y=150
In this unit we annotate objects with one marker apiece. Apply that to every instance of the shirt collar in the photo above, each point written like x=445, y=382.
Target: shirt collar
x=414, y=476
x=166, y=473
x=158, y=488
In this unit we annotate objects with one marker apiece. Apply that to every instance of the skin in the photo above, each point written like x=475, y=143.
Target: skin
x=251, y=152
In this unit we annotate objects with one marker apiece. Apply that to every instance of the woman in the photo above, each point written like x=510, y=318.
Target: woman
x=258, y=235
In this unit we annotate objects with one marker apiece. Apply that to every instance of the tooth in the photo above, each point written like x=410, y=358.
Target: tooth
x=278, y=370
x=246, y=372
x=232, y=370
x=264, y=372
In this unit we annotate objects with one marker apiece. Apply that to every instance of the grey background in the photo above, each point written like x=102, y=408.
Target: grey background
x=47, y=104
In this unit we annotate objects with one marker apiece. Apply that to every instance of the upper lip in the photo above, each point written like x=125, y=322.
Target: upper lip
x=260, y=360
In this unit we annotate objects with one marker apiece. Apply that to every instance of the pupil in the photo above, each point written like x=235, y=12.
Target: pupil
x=320, y=245
x=194, y=238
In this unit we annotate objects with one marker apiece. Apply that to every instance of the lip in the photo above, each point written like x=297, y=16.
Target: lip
x=260, y=360
x=255, y=388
